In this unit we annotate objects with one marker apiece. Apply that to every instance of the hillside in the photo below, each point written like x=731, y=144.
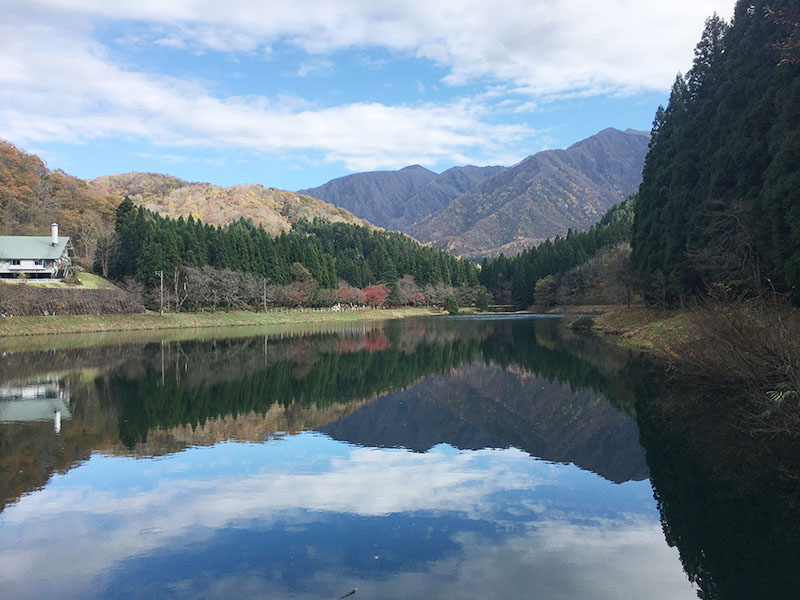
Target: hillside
x=719, y=196
x=541, y=197
x=32, y=197
x=275, y=209
x=398, y=199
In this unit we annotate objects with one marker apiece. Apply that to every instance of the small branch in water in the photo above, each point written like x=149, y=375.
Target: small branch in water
x=348, y=594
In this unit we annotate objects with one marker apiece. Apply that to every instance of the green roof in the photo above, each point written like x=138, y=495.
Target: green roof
x=31, y=247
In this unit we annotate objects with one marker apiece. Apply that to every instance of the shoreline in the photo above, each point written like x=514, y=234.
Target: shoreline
x=14, y=327
x=645, y=329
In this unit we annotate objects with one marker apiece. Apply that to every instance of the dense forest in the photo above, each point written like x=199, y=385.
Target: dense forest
x=718, y=207
x=530, y=277
x=719, y=203
x=314, y=256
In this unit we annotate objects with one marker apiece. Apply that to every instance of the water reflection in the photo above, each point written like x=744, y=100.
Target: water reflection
x=432, y=458
x=308, y=517
x=41, y=399
x=480, y=406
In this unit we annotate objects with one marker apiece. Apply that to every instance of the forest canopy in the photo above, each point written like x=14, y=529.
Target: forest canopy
x=719, y=203
x=145, y=243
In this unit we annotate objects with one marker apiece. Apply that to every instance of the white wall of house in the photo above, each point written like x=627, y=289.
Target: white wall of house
x=24, y=265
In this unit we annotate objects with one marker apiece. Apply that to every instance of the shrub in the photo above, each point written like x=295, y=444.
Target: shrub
x=451, y=305
x=582, y=324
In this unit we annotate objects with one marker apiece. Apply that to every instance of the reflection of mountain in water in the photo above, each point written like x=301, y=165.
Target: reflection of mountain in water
x=155, y=398
x=477, y=407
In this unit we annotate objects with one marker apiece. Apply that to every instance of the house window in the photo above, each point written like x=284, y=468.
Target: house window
x=15, y=262
x=38, y=263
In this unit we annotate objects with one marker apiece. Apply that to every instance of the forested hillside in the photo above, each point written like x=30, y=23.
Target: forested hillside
x=276, y=210
x=242, y=264
x=720, y=196
x=543, y=196
x=32, y=197
x=531, y=277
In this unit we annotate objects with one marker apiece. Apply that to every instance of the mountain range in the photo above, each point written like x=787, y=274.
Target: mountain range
x=469, y=211
x=473, y=211
x=398, y=199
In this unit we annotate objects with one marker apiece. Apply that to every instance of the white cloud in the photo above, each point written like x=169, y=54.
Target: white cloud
x=568, y=554
x=318, y=68
x=59, y=84
x=545, y=46
x=56, y=86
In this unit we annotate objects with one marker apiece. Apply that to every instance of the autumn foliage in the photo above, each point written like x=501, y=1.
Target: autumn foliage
x=376, y=295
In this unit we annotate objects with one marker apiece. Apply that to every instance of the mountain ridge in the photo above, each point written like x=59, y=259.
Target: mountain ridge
x=398, y=199
x=276, y=210
x=540, y=197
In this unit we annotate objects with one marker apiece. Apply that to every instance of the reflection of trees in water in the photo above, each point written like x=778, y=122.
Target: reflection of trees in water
x=729, y=499
x=155, y=398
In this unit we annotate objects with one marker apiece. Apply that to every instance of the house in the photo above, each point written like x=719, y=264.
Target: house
x=38, y=257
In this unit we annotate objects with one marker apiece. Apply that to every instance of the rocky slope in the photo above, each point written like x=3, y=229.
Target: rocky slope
x=541, y=197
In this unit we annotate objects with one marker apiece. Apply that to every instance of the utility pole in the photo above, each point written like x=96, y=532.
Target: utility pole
x=161, y=275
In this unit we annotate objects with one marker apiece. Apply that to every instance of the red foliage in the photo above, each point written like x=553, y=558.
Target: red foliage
x=376, y=295
x=376, y=341
x=350, y=345
x=350, y=295
x=298, y=296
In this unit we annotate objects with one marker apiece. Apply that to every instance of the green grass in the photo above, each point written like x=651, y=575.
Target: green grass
x=646, y=329
x=88, y=281
x=72, y=324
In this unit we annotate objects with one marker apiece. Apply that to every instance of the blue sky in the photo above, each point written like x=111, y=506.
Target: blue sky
x=293, y=94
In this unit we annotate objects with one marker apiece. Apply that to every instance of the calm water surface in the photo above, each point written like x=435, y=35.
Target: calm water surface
x=437, y=458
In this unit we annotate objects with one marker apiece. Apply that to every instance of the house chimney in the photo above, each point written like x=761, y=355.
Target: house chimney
x=54, y=232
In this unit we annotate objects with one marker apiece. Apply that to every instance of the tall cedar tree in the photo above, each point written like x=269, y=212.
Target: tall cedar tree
x=719, y=201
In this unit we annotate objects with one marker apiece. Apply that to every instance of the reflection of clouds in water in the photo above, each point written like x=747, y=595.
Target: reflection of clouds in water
x=49, y=532
x=554, y=561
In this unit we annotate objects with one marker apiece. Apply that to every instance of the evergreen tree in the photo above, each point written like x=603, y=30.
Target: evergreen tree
x=718, y=200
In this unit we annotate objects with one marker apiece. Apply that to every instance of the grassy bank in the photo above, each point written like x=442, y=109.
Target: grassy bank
x=18, y=326
x=646, y=329
x=81, y=280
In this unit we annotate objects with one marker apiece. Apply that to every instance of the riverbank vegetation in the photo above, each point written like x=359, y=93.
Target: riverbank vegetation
x=745, y=351
x=178, y=264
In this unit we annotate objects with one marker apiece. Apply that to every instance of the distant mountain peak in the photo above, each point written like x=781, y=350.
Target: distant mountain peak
x=398, y=199
x=542, y=196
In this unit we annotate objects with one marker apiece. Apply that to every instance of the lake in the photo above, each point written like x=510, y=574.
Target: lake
x=453, y=457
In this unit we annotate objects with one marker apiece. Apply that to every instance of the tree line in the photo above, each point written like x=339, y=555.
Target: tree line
x=718, y=203
x=529, y=277
x=316, y=263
